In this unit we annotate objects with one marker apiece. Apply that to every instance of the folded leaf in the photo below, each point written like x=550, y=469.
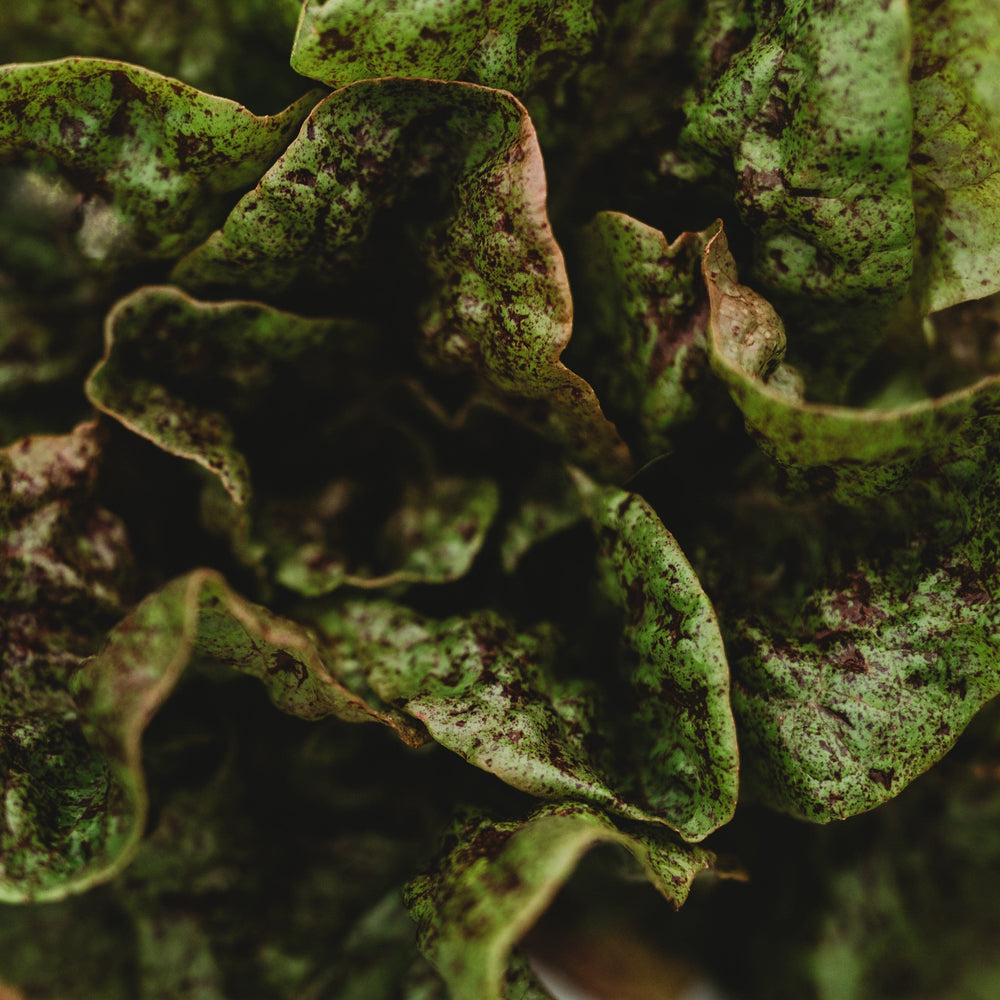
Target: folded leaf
x=157, y=160
x=956, y=148
x=665, y=752
x=64, y=576
x=848, y=453
x=114, y=696
x=508, y=44
x=873, y=680
x=499, y=877
x=809, y=104
x=642, y=323
x=465, y=160
x=682, y=729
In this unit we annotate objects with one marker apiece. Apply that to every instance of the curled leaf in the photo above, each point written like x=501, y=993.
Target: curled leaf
x=193, y=377
x=849, y=453
x=508, y=44
x=664, y=753
x=178, y=371
x=810, y=105
x=500, y=308
x=98, y=807
x=956, y=148
x=499, y=877
x=683, y=734
x=156, y=159
x=643, y=322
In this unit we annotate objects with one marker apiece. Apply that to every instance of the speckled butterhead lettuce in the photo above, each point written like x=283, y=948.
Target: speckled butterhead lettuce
x=645, y=500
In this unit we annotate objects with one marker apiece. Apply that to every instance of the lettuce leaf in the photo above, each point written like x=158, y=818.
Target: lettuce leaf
x=499, y=308
x=156, y=158
x=498, y=878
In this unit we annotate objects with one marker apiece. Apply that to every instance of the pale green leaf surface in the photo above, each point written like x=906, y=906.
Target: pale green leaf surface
x=483, y=690
x=809, y=104
x=508, y=44
x=682, y=728
x=956, y=152
x=499, y=877
x=849, y=453
x=500, y=308
x=157, y=160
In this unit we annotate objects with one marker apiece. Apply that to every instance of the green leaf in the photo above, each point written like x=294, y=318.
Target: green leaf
x=654, y=741
x=808, y=105
x=64, y=576
x=157, y=160
x=483, y=690
x=883, y=666
x=193, y=377
x=279, y=907
x=177, y=371
x=500, y=308
x=684, y=738
x=91, y=827
x=508, y=44
x=848, y=453
x=956, y=148
x=433, y=536
x=215, y=45
x=644, y=315
x=499, y=877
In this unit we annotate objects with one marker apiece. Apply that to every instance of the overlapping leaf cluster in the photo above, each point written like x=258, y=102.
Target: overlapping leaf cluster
x=318, y=398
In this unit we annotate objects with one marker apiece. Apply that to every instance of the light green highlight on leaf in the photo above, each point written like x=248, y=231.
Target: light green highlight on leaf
x=157, y=159
x=879, y=672
x=507, y=44
x=499, y=878
x=956, y=150
x=500, y=308
x=683, y=734
x=809, y=103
